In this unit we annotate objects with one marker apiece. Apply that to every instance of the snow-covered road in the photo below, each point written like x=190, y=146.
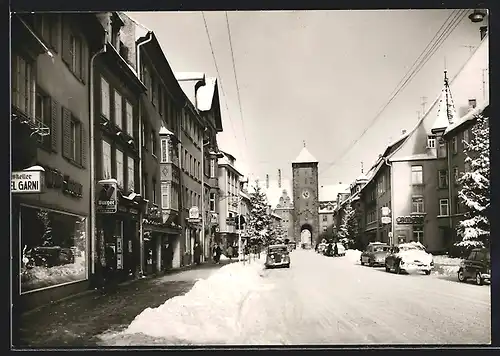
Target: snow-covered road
x=318, y=300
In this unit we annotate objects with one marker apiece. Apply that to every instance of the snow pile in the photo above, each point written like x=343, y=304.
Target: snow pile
x=207, y=314
x=40, y=276
x=353, y=255
x=446, y=266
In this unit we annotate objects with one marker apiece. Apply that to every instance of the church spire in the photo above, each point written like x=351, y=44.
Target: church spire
x=447, y=113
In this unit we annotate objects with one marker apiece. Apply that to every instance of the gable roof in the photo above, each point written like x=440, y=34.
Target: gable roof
x=205, y=94
x=305, y=157
x=471, y=115
x=484, y=42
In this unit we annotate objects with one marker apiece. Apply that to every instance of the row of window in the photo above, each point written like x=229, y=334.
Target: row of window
x=431, y=143
x=418, y=206
x=116, y=165
x=116, y=108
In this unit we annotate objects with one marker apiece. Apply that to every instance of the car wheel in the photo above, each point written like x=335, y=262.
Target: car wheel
x=479, y=280
x=287, y=265
x=370, y=263
x=387, y=268
x=362, y=263
x=427, y=272
x=461, y=275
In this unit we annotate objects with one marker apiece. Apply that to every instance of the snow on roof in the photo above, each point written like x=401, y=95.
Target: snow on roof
x=189, y=75
x=205, y=94
x=447, y=114
x=362, y=176
x=165, y=131
x=468, y=117
x=305, y=157
x=415, y=157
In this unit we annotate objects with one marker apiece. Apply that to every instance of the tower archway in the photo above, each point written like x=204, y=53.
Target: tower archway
x=306, y=234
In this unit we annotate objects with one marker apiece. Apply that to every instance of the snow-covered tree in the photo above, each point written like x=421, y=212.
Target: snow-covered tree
x=475, y=193
x=259, y=224
x=348, y=226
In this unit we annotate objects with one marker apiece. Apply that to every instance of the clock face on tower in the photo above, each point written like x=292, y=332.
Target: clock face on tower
x=306, y=194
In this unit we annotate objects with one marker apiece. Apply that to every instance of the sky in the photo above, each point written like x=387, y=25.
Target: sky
x=314, y=76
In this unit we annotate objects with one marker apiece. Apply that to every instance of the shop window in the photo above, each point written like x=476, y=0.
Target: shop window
x=131, y=174
x=165, y=196
x=105, y=103
x=53, y=248
x=119, y=168
x=417, y=204
x=129, y=112
x=106, y=160
x=164, y=151
x=22, y=83
x=444, y=208
x=417, y=175
x=443, y=178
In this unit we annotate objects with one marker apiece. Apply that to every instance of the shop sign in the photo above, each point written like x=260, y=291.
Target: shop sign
x=214, y=218
x=57, y=180
x=410, y=220
x=385, y=211
x=386, y=220
x=26, y=182
x=194, y=215
x=107, y=197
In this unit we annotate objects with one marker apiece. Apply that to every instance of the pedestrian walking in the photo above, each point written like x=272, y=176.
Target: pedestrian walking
x=230, y=252
x=197, y=253
x=335, y=249
x=218, y=252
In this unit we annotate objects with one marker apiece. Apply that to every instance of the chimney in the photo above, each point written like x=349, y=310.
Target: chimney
x=403, y=132
x=483, y=30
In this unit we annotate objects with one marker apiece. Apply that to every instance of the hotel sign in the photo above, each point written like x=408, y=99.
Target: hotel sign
x=410, y=220
x=26, y=182
x=194, y=215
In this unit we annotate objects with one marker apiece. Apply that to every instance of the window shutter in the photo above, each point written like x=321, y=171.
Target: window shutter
x=66, y=41
x=54, y=108
x=66, y=132
x=78, y=144
x=83, y=147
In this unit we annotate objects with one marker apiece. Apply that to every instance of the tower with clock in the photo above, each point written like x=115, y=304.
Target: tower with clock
x=305, y=198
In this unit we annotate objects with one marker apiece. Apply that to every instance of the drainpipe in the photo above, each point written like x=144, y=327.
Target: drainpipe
x=138, y=44
x=391, y=241
x=93, y=240
x=450, y=205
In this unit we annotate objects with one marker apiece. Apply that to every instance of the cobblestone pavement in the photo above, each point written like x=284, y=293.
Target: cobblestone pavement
x=77, y=322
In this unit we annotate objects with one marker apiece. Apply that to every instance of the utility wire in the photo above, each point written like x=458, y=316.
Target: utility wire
x=220, y=80
x=236, y=79
x=446, y=33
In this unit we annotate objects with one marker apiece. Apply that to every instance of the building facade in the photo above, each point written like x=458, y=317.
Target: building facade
x=50, y=155
x=305, y=199
x=229, y=200
x=284, y=209
x=326, y=215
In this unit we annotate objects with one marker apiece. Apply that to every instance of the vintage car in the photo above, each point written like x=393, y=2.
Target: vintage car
x=375, y=254
x=277, y=256
x=321, y=247
x=330, y=249
x=477, y=266
x=407, y=257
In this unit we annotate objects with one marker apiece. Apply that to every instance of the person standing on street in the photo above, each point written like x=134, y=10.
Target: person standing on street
x=218, y=252
x=197, y=253
x=230, y=252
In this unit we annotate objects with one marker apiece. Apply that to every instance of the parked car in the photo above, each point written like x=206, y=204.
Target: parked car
x=409, y=256
x=375, y=254
x=292, y=245
x=277, y=256
x=477, y=266
x=329, y=250
x=321, y=247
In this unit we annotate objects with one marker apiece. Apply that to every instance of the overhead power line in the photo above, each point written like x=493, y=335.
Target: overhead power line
x=220, y=80
x=236, y=79
x=434, y=44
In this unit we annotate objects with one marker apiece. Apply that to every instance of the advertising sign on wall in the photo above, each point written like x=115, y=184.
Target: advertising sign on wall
x=107, y=196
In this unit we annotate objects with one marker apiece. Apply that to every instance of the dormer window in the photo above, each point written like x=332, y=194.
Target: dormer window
x=472, y=104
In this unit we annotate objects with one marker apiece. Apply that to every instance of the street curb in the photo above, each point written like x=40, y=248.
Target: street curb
x=124, y=284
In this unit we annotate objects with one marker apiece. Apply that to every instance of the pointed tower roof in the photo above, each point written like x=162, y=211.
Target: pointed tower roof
x=305, y=156
x=447, y=113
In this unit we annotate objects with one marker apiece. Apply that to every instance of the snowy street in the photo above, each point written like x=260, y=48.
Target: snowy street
x=318, y=300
